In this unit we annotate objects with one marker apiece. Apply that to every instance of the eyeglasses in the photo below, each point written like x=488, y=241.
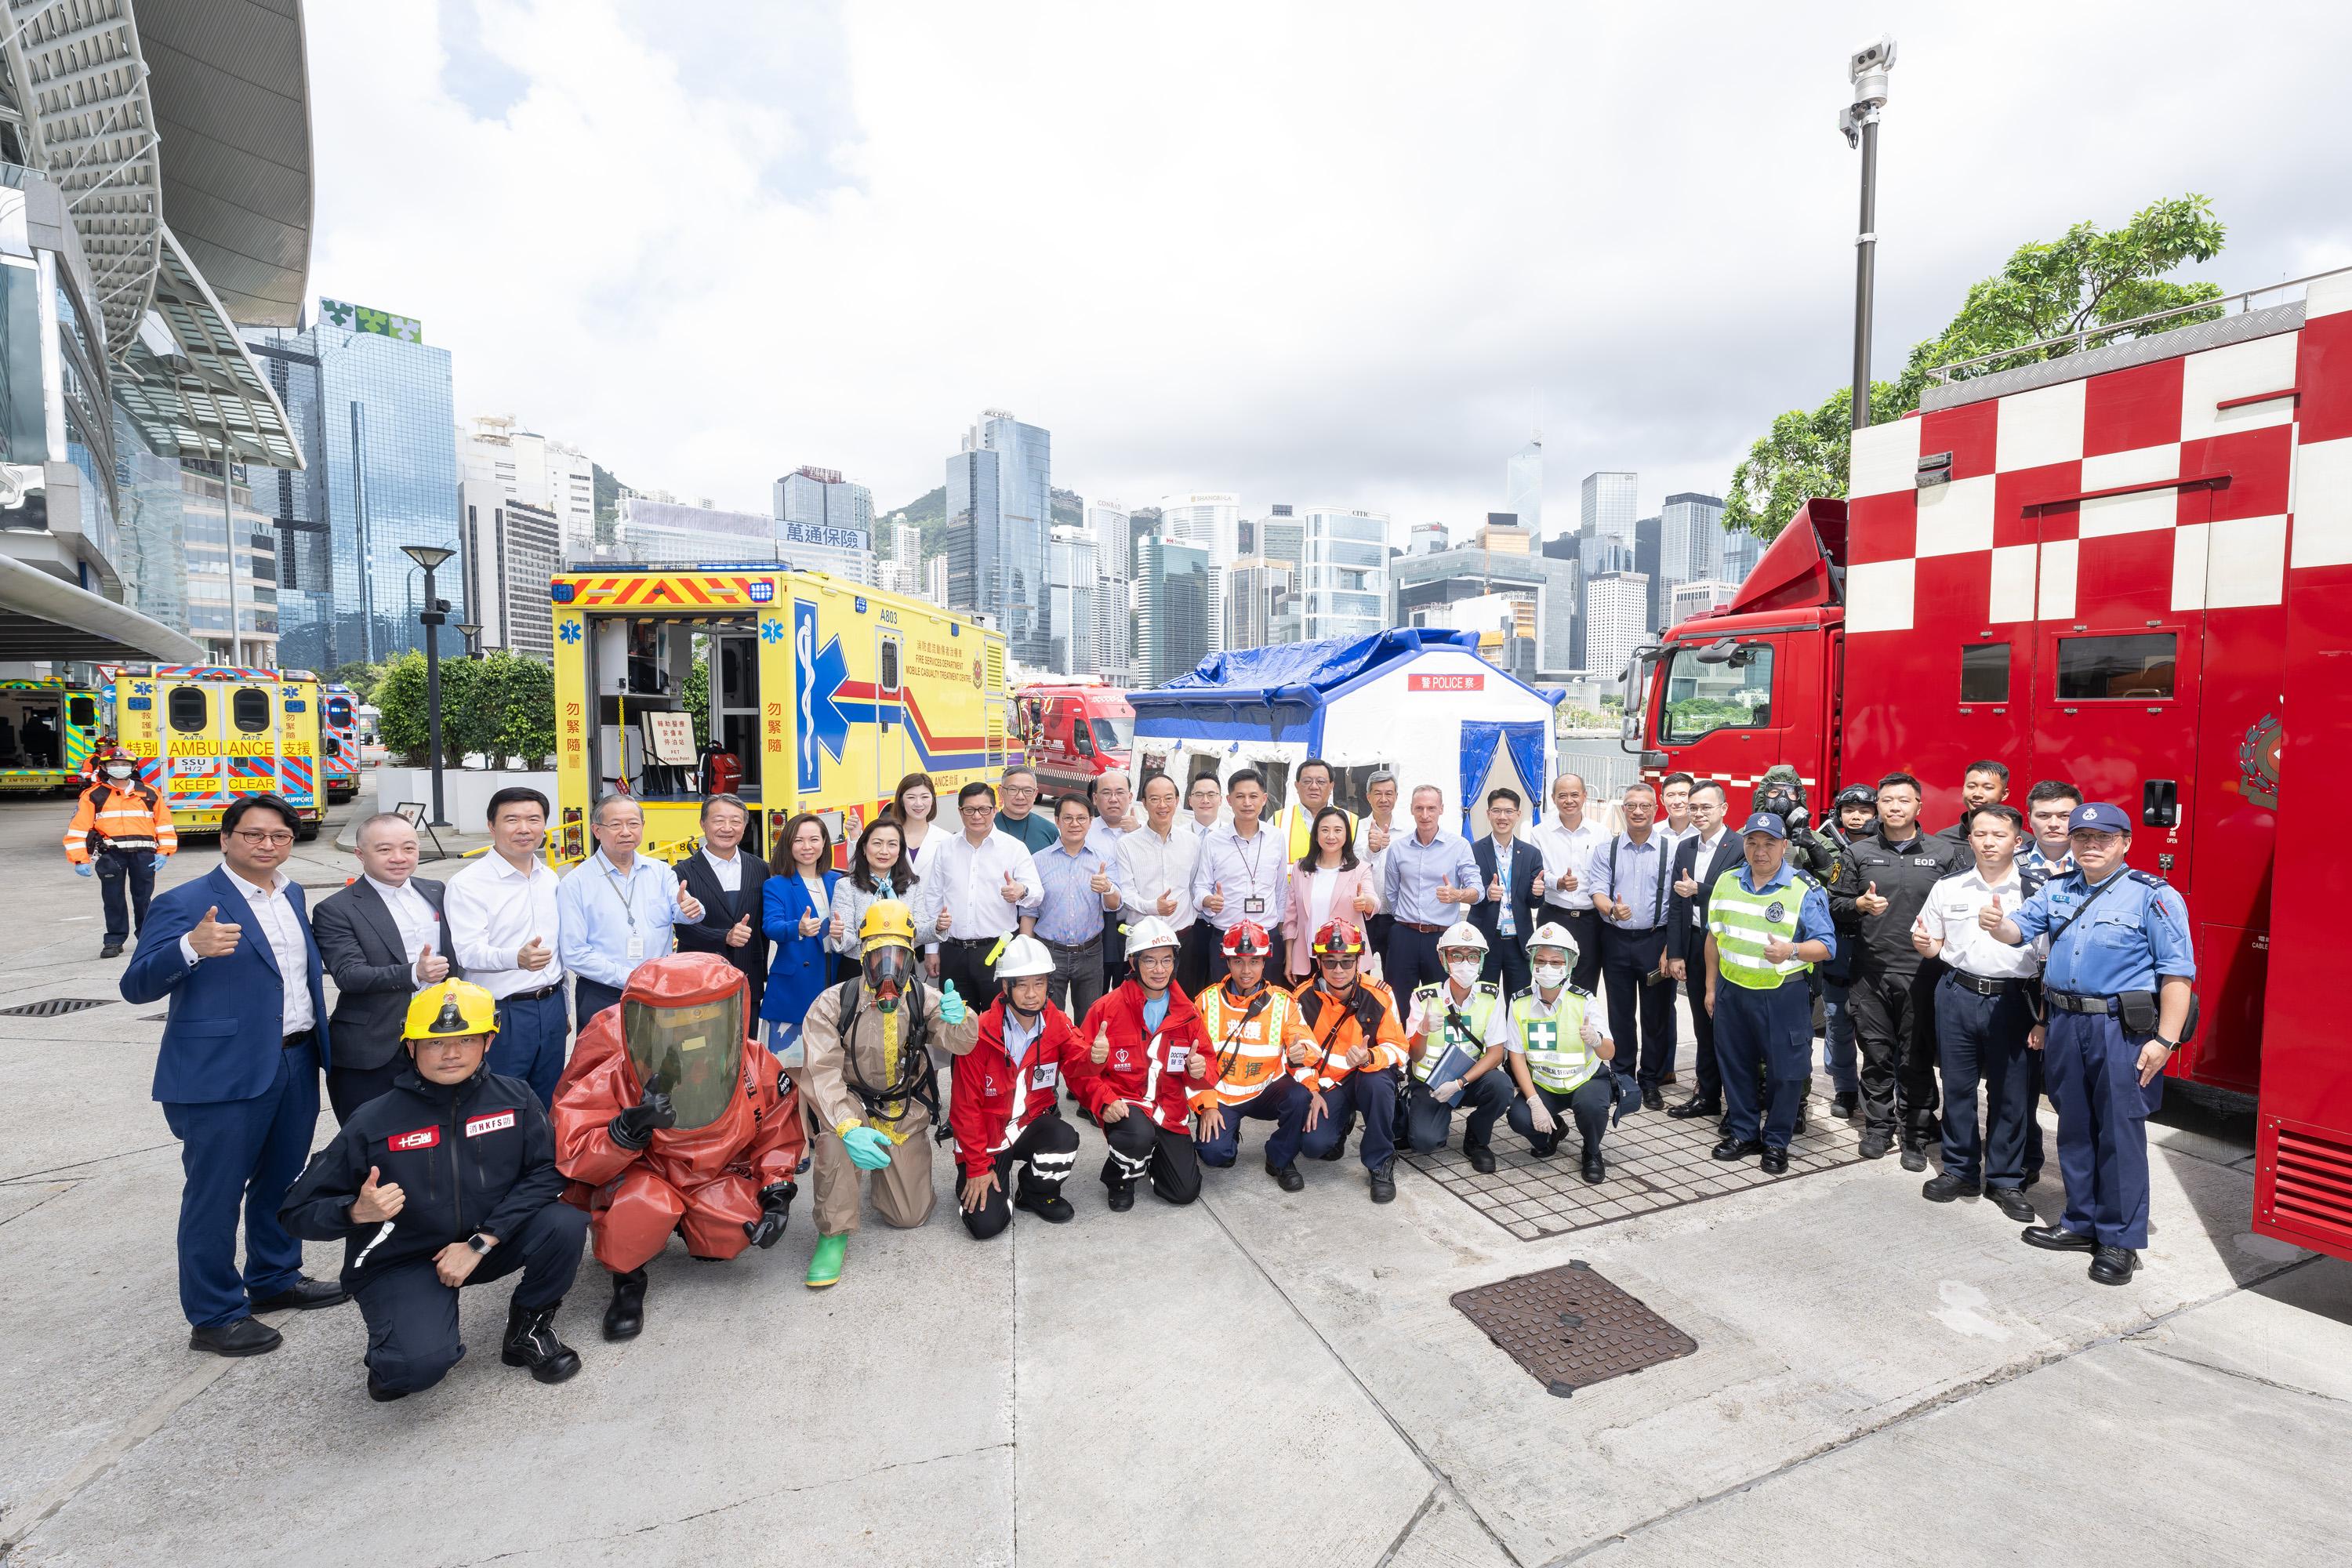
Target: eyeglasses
x=978, y=808
x=251, y=836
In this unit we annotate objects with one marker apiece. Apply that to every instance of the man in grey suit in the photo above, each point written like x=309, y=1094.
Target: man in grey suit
x=382, y=939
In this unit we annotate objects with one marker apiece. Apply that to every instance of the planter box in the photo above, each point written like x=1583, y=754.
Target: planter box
x=464, y=791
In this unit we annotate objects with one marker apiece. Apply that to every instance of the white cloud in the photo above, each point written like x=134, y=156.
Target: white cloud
x=1309, y=252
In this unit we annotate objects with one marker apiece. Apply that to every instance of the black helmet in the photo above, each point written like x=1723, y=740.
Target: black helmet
x=1857, y=795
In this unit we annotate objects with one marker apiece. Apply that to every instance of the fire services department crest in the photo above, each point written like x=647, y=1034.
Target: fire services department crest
x=2258, y=760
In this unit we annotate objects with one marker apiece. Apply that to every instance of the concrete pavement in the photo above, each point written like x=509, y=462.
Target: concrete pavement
x=1263, y=1377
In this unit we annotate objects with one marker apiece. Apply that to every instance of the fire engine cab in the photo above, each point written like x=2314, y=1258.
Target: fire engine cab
x=2128, y=567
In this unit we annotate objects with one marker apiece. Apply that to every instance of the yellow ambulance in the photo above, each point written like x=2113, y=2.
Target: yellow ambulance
x=49, y=726
x=208, y=733
x=823, y=693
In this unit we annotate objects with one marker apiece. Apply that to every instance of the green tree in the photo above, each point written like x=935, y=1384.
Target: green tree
x=510, y=708
x=359, y=676
x=2088, y=279
x=400, y=696
x=697, y=694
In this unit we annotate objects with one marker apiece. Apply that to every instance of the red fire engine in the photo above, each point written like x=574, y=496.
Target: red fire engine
x=2130, y=567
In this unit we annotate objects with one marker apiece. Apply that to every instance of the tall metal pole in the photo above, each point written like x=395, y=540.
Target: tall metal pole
x=1866, y=255
x=433, y=617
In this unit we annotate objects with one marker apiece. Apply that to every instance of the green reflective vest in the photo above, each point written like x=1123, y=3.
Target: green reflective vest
x=1740, y=922
x=1557, y=1057
x=1479, y=1010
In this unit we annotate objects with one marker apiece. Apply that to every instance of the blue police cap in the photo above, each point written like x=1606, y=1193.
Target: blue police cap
x=2098, y=816
x=1765, y=821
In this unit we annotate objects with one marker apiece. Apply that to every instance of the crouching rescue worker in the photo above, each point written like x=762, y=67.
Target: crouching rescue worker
x=1556, y=1046
x=1355, y=1046
x=1254, y=1039
x=449, y=1180
x=1145, y=1058
x=670, y=1118
x=872, y=1086
x=1449, y=1032
x=1006, y=1097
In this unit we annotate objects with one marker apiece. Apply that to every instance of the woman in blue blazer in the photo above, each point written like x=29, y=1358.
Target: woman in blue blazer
x=794, y=906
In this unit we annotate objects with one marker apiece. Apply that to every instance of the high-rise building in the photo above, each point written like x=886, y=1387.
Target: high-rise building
x=1607, y=505
x=1600, y=553
x=1427, y=539
x=935, y=581
x=1690, y=546
x=825, y=523
x=1210, y=521
x=661, y=532
x=1697, y=597
x=382, y=473
x=1741, y=551
x=531, y=468
x=1173, y=607
x=206, y=530
x=1523, y=485
x=1276, y=536
x=1072, y=586
x=999, y=506
x=1255, y=589
x=1426, y=589
x=1646, y=560
x=1616, y=621
x=508, y=549
x=1344, y=578
x=1115, y=629
x=1114, y=547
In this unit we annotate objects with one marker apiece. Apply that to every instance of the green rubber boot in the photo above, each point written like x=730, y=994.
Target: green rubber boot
x=824, y=1269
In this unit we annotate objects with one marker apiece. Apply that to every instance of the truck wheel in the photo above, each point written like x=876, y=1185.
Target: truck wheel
x=307, y=832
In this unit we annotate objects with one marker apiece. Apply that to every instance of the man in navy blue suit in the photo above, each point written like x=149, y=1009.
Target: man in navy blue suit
x=237, y=1074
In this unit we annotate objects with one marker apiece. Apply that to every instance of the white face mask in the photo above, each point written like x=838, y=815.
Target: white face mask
x=1464, y=971
x=1552, y=976
x=118, y=773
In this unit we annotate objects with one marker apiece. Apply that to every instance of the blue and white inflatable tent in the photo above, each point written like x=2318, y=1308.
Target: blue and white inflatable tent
x=1419, y=701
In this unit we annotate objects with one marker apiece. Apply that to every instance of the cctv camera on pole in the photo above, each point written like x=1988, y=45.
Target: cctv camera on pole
x=1859, y=120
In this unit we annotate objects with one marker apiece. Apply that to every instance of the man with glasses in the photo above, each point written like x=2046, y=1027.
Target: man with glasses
x=969, y=902
x=1016, y=820
x=617, y=909
x=237, y=1073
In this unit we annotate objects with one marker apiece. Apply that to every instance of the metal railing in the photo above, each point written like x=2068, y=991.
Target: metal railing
x=2080, y=337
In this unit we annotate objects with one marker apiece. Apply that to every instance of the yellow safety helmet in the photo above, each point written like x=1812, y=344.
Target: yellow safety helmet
x=451, y=1008
x=887, y=923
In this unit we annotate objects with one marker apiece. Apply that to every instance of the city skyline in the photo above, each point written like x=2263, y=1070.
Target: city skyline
x=1396, y=376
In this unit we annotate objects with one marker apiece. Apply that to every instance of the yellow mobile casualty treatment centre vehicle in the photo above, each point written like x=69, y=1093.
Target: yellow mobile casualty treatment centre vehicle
x=49, y=726
x=206, y=735
x=823, y=693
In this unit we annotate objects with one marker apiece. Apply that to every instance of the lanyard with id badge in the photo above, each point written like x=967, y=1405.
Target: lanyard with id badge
x=626, y=891
x=1255, y=903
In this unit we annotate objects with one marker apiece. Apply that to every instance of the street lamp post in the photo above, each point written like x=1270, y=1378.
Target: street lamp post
x=473, y=634
x=430, y=557
x=1867, y=70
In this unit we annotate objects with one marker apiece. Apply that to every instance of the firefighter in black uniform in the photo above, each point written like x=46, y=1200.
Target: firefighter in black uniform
x=1883, y=878
x=449, y=1180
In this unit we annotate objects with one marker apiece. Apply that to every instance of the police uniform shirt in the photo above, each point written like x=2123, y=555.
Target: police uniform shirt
x=418, y=929
x=1949, y=916
x=2135, y=933
x=2032, y=859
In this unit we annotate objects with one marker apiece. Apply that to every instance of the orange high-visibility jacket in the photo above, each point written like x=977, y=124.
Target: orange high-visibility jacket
x=129, y=815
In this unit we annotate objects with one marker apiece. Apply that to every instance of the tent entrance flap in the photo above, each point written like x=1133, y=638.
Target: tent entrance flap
x=1500, y=756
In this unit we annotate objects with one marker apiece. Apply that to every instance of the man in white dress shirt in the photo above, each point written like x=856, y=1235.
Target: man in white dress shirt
x=1242, y=873
x=1154, y=873
x=1568, y=841
x=504, y=934
x=971, y=896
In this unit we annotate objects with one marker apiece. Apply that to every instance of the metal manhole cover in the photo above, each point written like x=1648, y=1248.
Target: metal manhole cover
x=54, y=1007
x=1570, y=1328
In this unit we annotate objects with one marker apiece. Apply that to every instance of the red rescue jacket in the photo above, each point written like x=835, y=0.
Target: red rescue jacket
x=990, y=1102
x=1151, y=1069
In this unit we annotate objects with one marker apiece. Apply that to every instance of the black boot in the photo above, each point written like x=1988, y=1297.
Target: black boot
x=1482, y=1158
x=1046, y=1203
x=1596, y=1169
x=1286, y=1177
x=531, y=1341
x=1384, y=1182
x=1122, y=1197
x=111, y=949
x=627, y=1316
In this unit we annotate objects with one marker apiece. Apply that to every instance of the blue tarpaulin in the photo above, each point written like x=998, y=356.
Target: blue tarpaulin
x=1316, y=667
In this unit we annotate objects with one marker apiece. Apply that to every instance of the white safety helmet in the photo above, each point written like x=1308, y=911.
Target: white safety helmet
x=1149, y=932
x=1461, y=933
x=1024, y=955
x=1551, y=934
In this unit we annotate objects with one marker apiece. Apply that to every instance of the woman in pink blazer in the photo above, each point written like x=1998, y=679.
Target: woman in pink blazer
x=1327, y=884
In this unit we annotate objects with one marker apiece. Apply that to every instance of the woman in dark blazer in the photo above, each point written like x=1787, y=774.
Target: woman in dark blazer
x=726, y=916
x=796, y=904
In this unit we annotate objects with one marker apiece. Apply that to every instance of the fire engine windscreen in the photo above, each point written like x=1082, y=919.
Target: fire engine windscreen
x=1731, y=692
x=691, y=1051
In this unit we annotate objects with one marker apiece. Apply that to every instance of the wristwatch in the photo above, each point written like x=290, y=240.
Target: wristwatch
x=2168, y=1045
x=480, y=1244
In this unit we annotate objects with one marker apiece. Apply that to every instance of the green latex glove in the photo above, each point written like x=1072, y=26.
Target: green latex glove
x=951, y=1007
x=869, y=1149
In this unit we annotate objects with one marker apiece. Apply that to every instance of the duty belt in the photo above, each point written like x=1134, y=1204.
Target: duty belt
x=1984, y=987
x=2067, y=1001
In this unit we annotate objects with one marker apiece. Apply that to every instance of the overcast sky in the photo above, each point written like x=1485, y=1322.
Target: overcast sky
x=1342, y=253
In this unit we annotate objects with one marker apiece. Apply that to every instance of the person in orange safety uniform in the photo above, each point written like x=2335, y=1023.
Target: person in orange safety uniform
x=1255, y=1039
x=1355, y=1060
x=670, y=1118
x=121, y=828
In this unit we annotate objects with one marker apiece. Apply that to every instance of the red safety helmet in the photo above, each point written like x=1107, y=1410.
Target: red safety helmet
x=1247, y=939
x=1337, y=939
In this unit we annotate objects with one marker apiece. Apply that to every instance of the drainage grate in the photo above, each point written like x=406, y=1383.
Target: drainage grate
x=54, y=1007
x=1570, y=1328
